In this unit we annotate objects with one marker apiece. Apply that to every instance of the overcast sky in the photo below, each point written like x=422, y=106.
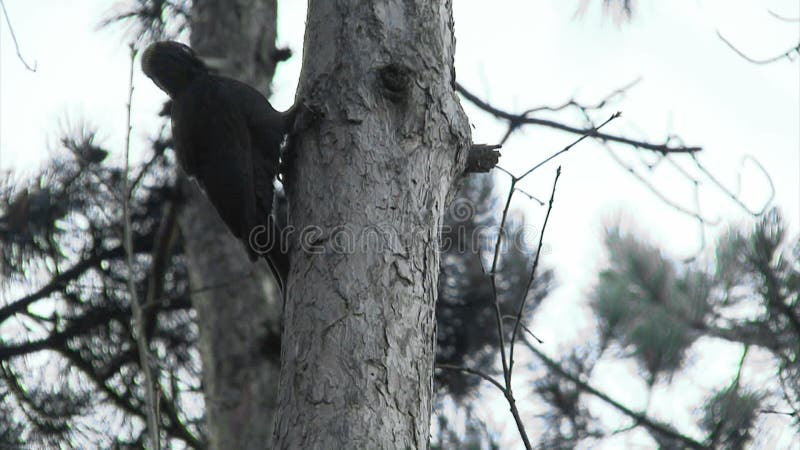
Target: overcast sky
x=516, y=55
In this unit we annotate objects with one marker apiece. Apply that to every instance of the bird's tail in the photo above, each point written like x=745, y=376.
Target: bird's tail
x=268, y=244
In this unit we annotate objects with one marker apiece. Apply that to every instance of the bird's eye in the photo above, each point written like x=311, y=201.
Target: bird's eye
x=186, y=49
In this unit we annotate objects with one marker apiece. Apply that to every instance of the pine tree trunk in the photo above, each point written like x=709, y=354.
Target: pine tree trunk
x=378, y=146
x=237, y=303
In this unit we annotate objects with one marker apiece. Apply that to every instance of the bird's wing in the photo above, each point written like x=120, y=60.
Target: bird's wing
x=213, y=144
x=182, y=113
x=266, y=128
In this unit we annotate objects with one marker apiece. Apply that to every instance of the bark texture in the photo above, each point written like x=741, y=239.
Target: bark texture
x=237, y=37
x=238, y=306
x=376, y=149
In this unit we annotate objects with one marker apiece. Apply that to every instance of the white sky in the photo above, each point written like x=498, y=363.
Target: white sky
x=515, y=54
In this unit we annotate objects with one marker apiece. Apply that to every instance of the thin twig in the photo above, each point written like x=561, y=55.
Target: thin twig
x=655, y=190
x=532, y=276
x=733, y=389
x=505, y=171
x=735, y=196
x=591, y=132
x=782, y=413
x=493, y=278
x=782, y=17
x=599, y=105
x=146, y=168
x=696, y=197
x=785, y=391
x=175, y=429
x=701, y=226
x=472, y=372
x=14, y=38
x=788, y=54
x=499, y=321
x=523, y=326
x=506, y=393
x=162, y=249
x=530, y=196
x=136, y=307
x=514, y=125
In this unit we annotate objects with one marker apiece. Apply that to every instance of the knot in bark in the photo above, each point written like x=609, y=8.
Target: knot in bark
x=395, y=79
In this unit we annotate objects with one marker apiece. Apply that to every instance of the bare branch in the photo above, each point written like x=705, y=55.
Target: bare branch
x=734, y=389
x=513, y=126
x=532, y=276
x=507, y=363
x=782, y=17
x=788, y=54
x=499, y=320
x=734, y=196
x=661, y=196
x=520, y=119
x=66, y=276
x=14, y=38
x=505, y=171
x=493, y=279
x=146, y=167
x=638, y=417
x=591, y=132
x=782, y=413
x=530, y=196
x=472, y=372
x=174, y=427
x=523, y=326
x=162, y=249
x=138, y=316
x=506, y=392
x=599, y=105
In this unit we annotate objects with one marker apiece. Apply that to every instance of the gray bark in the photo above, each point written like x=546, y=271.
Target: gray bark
x=237, y=303
x=374, y=154
x=237, y=37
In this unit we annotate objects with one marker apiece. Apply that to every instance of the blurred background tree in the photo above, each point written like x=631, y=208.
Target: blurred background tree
x=71, y=377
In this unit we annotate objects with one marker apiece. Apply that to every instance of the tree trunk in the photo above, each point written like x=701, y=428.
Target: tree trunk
x=376, y=149
x=237, y=303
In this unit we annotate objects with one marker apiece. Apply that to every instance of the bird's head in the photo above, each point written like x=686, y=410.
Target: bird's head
x=172, y=66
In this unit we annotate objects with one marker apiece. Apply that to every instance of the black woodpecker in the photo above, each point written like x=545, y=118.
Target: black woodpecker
x=228, y=137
